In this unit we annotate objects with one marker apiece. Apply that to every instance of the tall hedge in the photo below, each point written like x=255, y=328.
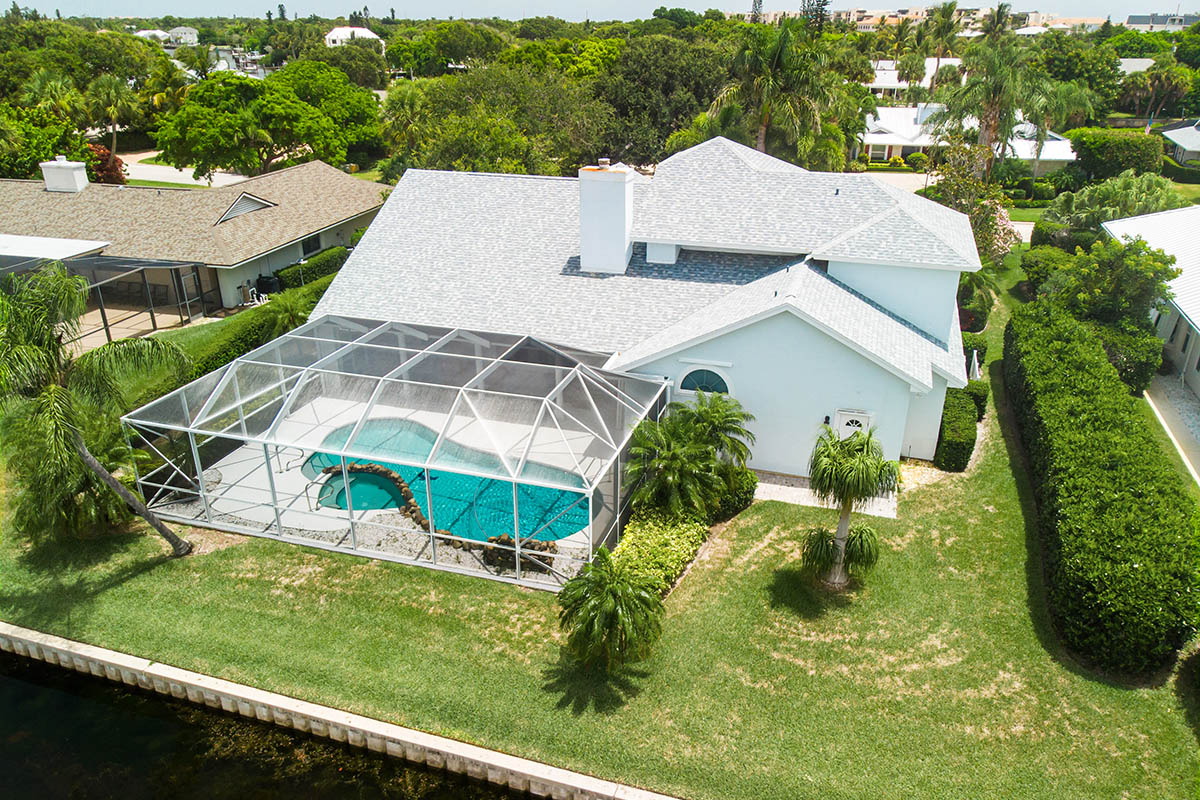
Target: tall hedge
x=1116, y=522
x=1105, y=152
x=1177, y=172
x=326, y=262
x=1136, y=355
x=956, y=441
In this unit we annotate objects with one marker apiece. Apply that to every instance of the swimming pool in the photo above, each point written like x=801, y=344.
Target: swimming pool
x=466, y=505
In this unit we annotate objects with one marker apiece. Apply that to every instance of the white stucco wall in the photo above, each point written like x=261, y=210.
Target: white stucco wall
x=924, y=297
x=924, y=421
x=791, y=376
x=231, y=279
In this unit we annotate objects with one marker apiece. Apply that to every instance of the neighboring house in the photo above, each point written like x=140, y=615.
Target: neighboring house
x=1128, y=66
x=811, y=297
x=1179, y=325
x=185, y=36
x=155, y=34
x=888, y=84
x=1185, y=136
x=233, y=234
x=344, y=33
x=901, y=130
x=1031, y=30
x=1161, y=22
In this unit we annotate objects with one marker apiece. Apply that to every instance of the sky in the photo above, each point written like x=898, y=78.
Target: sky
x=517, y=9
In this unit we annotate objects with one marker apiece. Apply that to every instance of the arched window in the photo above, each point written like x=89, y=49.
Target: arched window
x=703, y=380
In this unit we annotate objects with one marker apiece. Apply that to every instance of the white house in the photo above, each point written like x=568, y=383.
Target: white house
x=1031, y=30
x=232, y=234
x=1185, y=136
x=344, y=33
x=811, y=297
x=184, y=35
x=1179, y=326
x=887, y=81
x=1161, y=22
x=901, y=130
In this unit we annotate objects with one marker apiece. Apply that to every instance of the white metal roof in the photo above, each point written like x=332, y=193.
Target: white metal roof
x=907, y=126
x=1174, y=232
x=350, y=32
x=887, y=77
x=1187, y=138
x=46, y=247
x=1129, y=66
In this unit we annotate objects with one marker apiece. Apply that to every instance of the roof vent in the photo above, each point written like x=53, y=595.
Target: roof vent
x=604, y=163
x=244, y=204
x=61, y=175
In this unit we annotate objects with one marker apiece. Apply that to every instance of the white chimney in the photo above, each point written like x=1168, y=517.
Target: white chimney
x=605, y=217
x=64, y=176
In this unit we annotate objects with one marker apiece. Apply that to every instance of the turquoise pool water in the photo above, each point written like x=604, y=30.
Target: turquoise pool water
x=465, y=505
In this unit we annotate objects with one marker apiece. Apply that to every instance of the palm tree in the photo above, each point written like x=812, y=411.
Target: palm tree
x=943, y=33
x=41, y=377
x=1051, y=104
x=198, y=59
x=112, y=103
x=719, y=420
x=10, y=139
x=997, y=21
x=848, y=472
x=286, y=311
x=56, y=93
x=166, y=87
x=404, y=113
x=902, y=38
x=728, y=122
x=779, y=80
x=673, y=468
x=611, y=614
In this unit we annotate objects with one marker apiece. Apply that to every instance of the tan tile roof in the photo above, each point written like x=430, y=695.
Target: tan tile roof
x=181, y=224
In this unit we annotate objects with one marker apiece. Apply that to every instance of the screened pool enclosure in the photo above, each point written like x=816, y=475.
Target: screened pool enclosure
x=478, y=452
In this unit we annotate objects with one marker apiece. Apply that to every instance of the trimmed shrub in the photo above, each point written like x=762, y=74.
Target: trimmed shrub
x=978, y=391
x=1105, y=152
x=1055, y=234
x=660, y=546
x=1043, y=190
x=1039, y=263
x=1179, y=173
x=918, y=161
x=356, y=237
x=1014, y=194
x=957, y=439
x=855, y=166
x=896, y=161
x=1117, y=524
x=977, y=342
x=741, y=483
x=326, y=262
x=1136, y=355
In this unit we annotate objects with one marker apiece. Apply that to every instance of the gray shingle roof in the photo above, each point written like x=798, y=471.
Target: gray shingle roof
x=827, y=304
x=718, y=195
x=181, y=224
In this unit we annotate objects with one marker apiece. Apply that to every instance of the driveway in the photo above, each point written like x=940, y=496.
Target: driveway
x=908, y=181
x=135, y=170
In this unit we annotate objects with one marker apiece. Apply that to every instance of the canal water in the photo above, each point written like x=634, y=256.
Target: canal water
x=66, y=735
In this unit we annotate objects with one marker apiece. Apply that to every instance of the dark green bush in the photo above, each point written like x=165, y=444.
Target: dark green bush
x=1056, y=234
x=1106, y=152
x=1015, y=194
x=659, y=545
x=978, y=391
x=356, y=237
x=1179, y=173
x=1031, y=203
x=1039, y=263
x=1043, y=190
x=918, y=161
x=1070, y=178
x=1117, y=524
x=326, y=262
x=1135, y=354
x=977, y=342
x=957, y=439
x=740, y=482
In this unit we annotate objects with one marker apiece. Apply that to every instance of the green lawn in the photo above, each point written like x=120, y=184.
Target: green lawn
x=1025, y=214
x=938, y=679
x=1191, y=191
x=163, y=184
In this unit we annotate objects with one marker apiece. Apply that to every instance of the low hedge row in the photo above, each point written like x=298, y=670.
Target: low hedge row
x=660, y=545
x=1117, y=524
x=243, y=332
x=1136, y=355
x=977, y=342
x=741, y=483
x=326, y=262
x=1178, y=172
x=978, y=391
x=957, y=439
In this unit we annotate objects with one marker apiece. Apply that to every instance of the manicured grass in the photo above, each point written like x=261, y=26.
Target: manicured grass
x=369, y=175
x=1191, y=191
x=1025, y=214
x=940, y=678
x=163, y=184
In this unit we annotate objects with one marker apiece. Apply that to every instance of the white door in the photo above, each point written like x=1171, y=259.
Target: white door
x=849, y=422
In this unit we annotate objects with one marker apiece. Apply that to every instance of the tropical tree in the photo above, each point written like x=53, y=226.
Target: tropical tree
x=112, y=103
x=997, y=21
x=902, y=35
x=198, y=59
x=58, y=391
x=848, y=472
x=1052, y=104
x=1126, y=195
x=166, y=87
x=405, y=111
x=673, y=467
x=779, y=80
x=911, y=69
x=943, y=35
x=56, y=93
x=286, y=311
x=610, y=613
x=1116, y=283
x=729, y=122
x=720, y=421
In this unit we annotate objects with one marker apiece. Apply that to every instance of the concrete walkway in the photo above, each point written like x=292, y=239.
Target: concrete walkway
x=908, y=181
x=793, y=489
x=134, y=170
x=1178, y=409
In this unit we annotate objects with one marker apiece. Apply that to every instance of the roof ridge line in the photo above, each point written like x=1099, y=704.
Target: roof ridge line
x=933, y=231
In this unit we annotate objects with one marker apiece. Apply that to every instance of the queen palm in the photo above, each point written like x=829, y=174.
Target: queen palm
x=779, y=80
x=673, y=468
x=997, y=21
x=112, y=103
x=720, y=421
x=611, y=613
x=943, y=32
x=848, y=472
x=1054, y=103
x=42, y=377
x=166, y=87
x=903, y=35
